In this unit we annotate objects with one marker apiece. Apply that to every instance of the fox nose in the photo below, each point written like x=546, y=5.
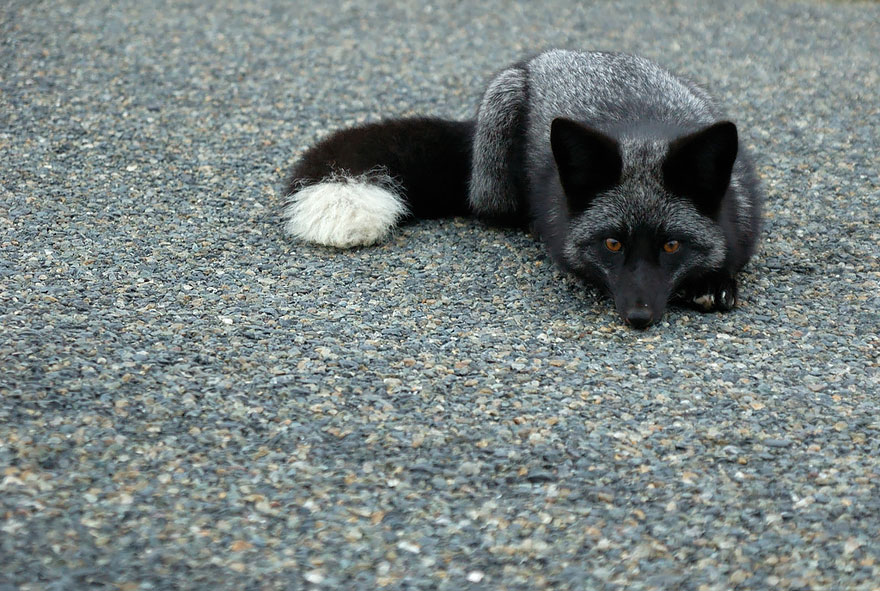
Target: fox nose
x=639, y=316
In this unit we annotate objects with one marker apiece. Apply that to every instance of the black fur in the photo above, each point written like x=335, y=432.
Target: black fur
x=429, y=158
x=699, y=165
x=574, y=144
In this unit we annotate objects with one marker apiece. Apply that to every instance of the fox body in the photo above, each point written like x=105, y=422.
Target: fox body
x=630, y=175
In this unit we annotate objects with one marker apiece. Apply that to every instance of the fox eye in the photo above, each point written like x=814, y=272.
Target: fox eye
x=613, y=245
x=671, y=246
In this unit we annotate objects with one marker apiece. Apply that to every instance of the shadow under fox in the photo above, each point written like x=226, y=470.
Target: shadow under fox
x=630, y=175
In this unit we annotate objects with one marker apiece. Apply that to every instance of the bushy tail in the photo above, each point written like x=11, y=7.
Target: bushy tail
x=354, y=187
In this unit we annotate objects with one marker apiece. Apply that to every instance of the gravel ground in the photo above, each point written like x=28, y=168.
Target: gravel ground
x=190, y=400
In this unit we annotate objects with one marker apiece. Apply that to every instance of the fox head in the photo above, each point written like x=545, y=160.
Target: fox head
x=643, y=213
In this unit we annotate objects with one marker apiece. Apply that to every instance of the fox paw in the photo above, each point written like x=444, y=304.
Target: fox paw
x=715, y=291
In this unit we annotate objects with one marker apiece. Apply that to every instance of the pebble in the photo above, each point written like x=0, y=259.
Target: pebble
x=188, y=399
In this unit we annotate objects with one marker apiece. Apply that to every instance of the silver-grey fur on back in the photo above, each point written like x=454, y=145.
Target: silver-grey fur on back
x=600, y=89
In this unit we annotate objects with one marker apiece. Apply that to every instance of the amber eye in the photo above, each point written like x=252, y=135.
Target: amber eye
x=671, y=246
x=613, y=245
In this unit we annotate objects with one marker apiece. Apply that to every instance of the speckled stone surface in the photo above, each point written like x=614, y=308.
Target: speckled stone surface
x=189, y=400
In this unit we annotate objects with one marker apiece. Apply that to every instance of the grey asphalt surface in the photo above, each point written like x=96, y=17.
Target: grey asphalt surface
x=190, y=400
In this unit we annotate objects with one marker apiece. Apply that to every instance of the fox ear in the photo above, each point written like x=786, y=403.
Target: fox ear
x=698, y=166
x=589, y=161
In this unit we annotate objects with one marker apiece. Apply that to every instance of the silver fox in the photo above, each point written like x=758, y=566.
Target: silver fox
x=630, y=175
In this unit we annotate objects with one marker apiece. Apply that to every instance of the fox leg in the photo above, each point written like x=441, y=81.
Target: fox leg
x=714, y=291
x=497, y=185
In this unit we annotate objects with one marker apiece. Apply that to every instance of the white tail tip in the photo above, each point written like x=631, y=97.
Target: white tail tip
x=344, y=212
